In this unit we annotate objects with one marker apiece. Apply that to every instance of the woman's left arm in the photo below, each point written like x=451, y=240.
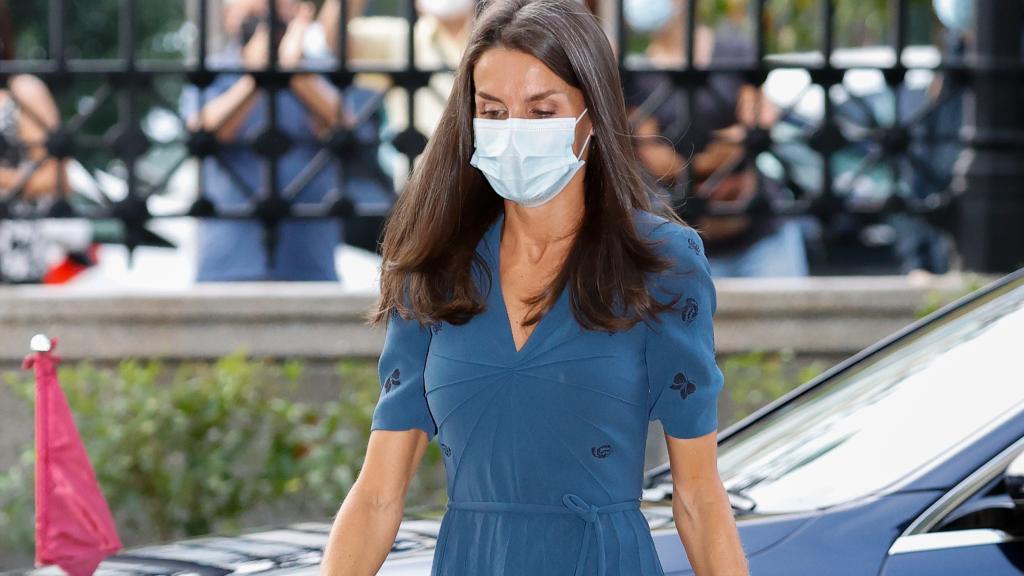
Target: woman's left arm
x=701, y=509
x=686, y=382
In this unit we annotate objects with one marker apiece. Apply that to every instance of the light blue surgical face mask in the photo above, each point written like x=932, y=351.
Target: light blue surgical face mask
x=646, y=16
x=956, y=15
x=528, y=161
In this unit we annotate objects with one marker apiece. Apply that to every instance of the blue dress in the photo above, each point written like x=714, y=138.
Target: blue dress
x=544, y=446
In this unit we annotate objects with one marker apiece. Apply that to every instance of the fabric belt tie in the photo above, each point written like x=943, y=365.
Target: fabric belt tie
x=571, y=504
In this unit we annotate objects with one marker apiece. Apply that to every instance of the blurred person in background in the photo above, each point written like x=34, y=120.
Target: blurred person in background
x=439, y=36
x=28, y=114
x=921, y=247
x=235, y=111
x=708, y=139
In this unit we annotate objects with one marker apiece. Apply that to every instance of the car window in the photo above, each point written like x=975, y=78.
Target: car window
x=897, y=410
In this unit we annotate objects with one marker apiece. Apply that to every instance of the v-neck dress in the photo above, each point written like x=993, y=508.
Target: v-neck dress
x=544, y=447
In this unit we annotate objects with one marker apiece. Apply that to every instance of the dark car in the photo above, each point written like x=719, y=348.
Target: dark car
x=906, y=459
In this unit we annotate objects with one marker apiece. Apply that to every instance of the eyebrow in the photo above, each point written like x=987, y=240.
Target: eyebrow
x=535, y=97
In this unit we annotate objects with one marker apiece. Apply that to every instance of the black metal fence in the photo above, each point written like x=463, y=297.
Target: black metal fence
x=856, y=161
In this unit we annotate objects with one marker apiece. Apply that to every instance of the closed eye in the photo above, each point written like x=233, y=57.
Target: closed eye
x=497, y=114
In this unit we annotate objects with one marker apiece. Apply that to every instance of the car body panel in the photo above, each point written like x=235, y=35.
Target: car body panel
x=1006, y=557
x=756, y=534
x=849, y=540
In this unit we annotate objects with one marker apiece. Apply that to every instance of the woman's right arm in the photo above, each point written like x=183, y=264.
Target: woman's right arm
x=367, y=522
x=400, y=430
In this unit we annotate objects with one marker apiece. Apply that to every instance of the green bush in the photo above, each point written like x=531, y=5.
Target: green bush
x=754, y=379
x=936, y=299
x=190, y=454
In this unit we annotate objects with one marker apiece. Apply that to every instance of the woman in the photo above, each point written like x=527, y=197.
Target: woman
x=697, y=132
x=28, y=114
x=30, y=180
x=519, y=263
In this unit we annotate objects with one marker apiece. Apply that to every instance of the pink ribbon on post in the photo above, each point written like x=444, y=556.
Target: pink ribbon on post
x=74, y=527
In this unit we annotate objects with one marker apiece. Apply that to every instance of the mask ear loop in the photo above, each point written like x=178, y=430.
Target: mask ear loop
x=584, y=147
x=585, y=142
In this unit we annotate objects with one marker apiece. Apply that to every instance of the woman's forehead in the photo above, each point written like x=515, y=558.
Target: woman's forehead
x=513, y=74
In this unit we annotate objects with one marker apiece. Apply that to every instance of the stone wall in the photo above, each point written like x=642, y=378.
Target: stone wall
x=819, y=318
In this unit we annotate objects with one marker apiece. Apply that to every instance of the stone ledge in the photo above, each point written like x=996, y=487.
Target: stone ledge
x=817, y=315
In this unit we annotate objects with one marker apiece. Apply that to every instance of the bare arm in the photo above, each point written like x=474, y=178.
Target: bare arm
x=224, y=114
x=320, y=97
x=368, y=519
x=654, y=151
x=37, y=118
x=660, y=158
x=701, y=509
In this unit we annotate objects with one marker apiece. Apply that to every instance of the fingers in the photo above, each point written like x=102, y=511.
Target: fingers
x=306, y=13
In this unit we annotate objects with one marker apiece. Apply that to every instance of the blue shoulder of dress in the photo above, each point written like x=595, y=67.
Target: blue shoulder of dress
x=680, y=242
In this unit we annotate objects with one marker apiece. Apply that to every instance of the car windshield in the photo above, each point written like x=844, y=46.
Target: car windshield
x=888, y=415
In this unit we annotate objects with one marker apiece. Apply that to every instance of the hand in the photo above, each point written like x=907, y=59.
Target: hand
x=289, y=52
x=256, y=50
x=738, y=187
x=753, y=108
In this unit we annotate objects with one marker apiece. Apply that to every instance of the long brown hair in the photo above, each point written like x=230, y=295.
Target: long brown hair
x=430, y=238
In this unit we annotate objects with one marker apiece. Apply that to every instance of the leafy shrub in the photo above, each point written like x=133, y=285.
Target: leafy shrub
x=755, y=378
x=191, y=454
x=936, y=299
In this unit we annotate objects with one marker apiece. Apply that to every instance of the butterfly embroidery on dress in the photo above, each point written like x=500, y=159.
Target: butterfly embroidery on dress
x=690, y=310
x=684, y=385
x=601, y=451
x=446, y=449
x=693, y=245
x=392, y=381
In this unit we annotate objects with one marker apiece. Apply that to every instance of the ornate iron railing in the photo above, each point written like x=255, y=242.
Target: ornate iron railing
x=888, y=146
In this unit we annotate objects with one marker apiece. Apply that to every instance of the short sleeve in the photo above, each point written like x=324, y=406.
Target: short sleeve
x=683, y=375
x=402, y=404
